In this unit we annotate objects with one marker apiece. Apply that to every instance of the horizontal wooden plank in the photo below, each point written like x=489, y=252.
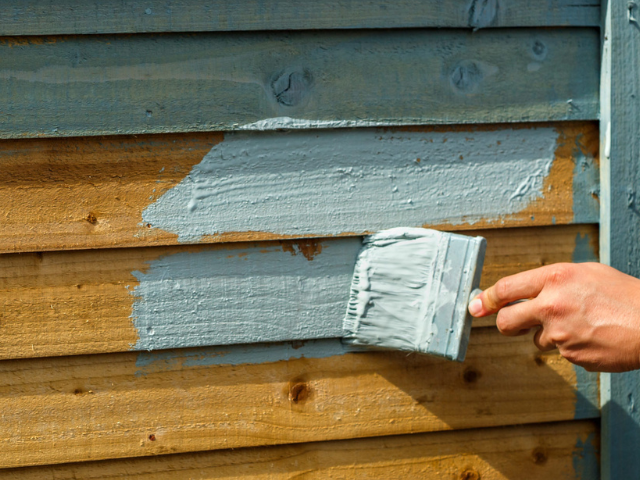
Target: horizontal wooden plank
x=45, y=17
x=96, y=85
x=566, y=450
x=91, y=407
x=69, y=303
x=158, y=190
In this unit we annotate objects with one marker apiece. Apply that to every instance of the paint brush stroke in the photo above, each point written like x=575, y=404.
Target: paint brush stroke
x=331, y=182
x=244, y=295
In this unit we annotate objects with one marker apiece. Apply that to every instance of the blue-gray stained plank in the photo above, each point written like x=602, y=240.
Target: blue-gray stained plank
x=620, y=219
x=97, y=85
x=48, y=17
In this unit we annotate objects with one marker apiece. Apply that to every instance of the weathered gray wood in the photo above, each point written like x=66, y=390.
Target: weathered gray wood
x=51, y=17
x=68, y=86
x=620, y=219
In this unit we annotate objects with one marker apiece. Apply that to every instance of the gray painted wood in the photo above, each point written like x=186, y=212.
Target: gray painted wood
x=50, y=17
x=94, y=85
x=353, y=181
x=620, y=220
x=262, y=293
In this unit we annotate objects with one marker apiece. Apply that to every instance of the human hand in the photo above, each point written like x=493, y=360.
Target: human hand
x=589, y=311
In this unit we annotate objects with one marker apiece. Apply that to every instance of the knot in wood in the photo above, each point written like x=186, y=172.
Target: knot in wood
x=470, y=474
x=470, y=375
x=466, y=76
x=538, y=50
x=298, y=392
x=539, y=456
x=482, y=13
x=91, y=218
x=290, y=88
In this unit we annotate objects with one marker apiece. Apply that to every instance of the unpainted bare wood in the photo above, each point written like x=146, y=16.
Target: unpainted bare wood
x=562, y=451
x=92, y=407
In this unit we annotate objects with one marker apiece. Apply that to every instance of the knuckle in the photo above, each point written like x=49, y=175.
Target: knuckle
x=571, y=355
x=542, y=340
x=560, y=273
x=503, y=322
x=560, y=337
x=502, y=288
x=551, y=310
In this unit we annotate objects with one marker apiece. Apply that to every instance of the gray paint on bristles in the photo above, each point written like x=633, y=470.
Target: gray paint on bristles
x=410, y=291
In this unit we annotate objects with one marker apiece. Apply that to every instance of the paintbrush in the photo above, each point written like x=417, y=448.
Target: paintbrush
x=410, y=291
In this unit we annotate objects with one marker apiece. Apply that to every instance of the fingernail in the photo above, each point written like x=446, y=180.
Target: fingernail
x=475, y=307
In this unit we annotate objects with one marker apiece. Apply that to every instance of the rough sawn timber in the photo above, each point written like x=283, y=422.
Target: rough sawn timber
x=99, y=85
x=92, y=407
x=100, y=301
x=80, y=193
x=46, y=17
x=562, y=451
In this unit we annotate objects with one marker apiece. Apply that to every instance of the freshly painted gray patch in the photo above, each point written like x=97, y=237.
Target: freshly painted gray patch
x=587, y=394
x=362, y=180
x=248, y=295
x=586, y=189
x=288, y=123
x=240, y=354
x=411, y=289
x=584, y=251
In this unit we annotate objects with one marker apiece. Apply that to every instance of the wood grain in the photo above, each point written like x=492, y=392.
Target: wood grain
x=71, y=409
x=98, y=85
x=69, y=303
x=566, y=450
x=45, y=17
x=135, y=191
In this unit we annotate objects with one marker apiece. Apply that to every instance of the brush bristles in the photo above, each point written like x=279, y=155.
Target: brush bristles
x=410, y=291
x=390, y=301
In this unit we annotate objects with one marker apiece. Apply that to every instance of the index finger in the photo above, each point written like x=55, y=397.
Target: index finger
x=509, y=289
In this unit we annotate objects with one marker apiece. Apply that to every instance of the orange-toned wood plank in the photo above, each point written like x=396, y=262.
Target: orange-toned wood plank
x=69, y=303
x=562, y=451
x=71, y=409
x=82, y=193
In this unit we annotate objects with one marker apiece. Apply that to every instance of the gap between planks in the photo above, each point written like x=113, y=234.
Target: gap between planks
x=562, y=451
x=86, y=193
x=82, y=408
x=134, y=84
x=43, y=17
